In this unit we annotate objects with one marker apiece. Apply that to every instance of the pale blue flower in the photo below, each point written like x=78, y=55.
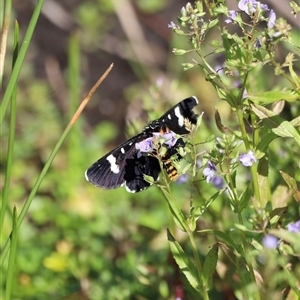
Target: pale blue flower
x=210, y=171
x=272, y=19
x=270, y=241
x=232, y=15
x=294, y=227
x=145, y=146
x=248, y=159
x=250, y=6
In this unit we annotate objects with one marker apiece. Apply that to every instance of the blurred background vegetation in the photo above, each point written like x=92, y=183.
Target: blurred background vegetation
x=77, y=241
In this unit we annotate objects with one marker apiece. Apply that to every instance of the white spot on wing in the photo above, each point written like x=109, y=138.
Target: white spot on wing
x=169, y=116
x=195, y=98
x=122, y=150
x=86, y=176
x=113, y=166
x=179, y=116
x=129, y=190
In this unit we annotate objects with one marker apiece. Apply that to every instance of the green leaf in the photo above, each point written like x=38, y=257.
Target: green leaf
x=177, y=214
x=290, y=237
x=242, y=270
x=276, y=214
x=273, y=96
x=213, y=23
x=149, y=179
x=262, y=176
x=210, y=264
x=186, y=266
x=200, y=210
x=266, y=138
x=296, y=122
x=278, y=125
x=187, y=66
x=245, y=198
x=291, y=182
x=294, y=76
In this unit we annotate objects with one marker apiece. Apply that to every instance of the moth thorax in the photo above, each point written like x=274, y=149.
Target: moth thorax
x=171, y=170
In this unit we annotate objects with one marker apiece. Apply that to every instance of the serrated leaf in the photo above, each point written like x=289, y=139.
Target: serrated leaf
x=184, y=264
x=277, y=124
x=273, y=96
x=292, y=184
x=209, y=265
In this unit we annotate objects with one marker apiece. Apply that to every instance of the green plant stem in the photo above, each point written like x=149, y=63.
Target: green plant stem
x=197, y=262
x=243, y=129
x=191, y=238
x=12, y=257
x=19, y=62
x=247, y=145
x=11, y=137
x=51, y=158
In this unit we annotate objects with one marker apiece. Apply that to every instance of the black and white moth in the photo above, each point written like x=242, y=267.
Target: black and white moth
x=129, y=162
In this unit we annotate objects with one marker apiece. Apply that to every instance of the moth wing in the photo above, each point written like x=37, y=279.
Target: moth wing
x=176, y=117
x=135, y=169
x=108, y=171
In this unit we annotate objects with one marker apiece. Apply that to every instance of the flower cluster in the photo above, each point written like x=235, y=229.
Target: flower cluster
x=251, y=8
x=210, y=174
x=147, y=146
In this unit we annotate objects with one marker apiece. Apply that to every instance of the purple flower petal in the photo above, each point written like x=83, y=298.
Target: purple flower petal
x=232, y=14
x=218, y=182
x=248, y=159
x=183, y=178
x=250, y=6
x=170, y=138
x=294, y=227
x=145, y=146
x=247, y=6
x=264, y=7
x=210, y=172
x=272, y=19
x=270, y=241
x=172, y=25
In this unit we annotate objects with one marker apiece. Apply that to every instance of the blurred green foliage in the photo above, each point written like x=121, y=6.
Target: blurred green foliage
x=79, y=242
